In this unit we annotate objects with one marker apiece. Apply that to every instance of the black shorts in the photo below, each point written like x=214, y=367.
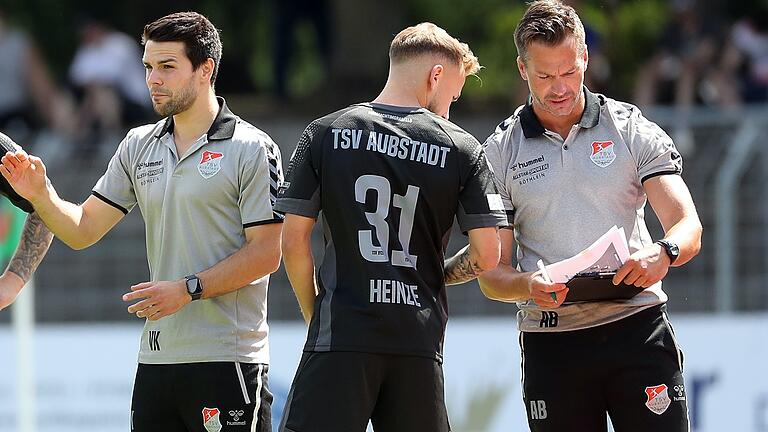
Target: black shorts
x=631, y=369
x=341, y=391
x=201, y=397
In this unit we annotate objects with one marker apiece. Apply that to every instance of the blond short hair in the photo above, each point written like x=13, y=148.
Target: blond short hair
x=427, y=38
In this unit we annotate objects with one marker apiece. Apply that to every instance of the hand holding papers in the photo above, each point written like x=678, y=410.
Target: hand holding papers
x=588, y=274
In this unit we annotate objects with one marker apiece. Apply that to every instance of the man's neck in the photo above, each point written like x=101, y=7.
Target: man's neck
x=189, y=125
x=398, y=96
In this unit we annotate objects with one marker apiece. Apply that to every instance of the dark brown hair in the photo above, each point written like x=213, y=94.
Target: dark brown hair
x=201, y=39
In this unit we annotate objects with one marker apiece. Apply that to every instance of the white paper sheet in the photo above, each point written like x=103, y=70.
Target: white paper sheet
x=606, y=254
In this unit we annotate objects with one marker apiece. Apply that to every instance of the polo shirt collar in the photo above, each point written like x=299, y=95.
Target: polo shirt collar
x=222, y=128
x=532, y=127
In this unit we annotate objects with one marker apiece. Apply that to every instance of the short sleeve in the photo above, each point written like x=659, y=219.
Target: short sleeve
x=116, y=187
x=300, y=194
x=498, y=166
x=480, y=204
x=654, y=151
x=260, y=178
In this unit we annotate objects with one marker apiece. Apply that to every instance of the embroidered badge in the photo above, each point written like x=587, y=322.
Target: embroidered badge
x=602, y=153
x=658, y=398
x=211, y=419
x=210, y=164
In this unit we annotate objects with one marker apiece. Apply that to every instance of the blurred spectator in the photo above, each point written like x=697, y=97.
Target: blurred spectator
x=679, y=71
x=29, y=99
x=288, y=15
x=108, y=79
x=745, y=59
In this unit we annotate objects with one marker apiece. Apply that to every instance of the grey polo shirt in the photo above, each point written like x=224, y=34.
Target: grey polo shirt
x=561, y=195
x=196, y=207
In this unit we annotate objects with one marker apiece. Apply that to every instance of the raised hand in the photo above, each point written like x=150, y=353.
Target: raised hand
x=25, y=173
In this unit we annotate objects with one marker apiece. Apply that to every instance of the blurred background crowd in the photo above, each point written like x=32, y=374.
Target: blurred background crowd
x=72, y=82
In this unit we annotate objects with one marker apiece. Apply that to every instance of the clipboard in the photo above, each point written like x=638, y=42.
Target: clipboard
x=597, y=287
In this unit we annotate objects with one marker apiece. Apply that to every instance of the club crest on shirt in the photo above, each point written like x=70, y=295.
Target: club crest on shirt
x=658, y=398
x=602, y=153
x=211, y=419
x=210, y=164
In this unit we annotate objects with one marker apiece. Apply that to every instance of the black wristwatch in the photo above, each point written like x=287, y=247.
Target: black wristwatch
x=673, y=251
x=194, y=287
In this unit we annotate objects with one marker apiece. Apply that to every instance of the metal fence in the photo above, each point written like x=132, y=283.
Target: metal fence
x=725, y=165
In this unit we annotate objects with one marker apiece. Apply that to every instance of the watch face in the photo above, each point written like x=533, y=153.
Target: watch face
x=192, y=285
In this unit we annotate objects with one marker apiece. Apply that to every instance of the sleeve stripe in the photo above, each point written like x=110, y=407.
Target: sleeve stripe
x=264, y=222
x=274, y=177
x=660, y=173
x=110, y=202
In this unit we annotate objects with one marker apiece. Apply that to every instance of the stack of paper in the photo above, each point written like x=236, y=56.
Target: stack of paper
x=589, y=273
x=605, y=255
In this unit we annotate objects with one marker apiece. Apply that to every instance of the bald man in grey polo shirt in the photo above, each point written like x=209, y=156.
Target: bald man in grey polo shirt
x=205, y=182
x=569, y=165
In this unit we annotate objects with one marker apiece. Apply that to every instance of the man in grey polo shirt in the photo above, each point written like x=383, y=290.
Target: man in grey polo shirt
x=569, y=165
x=205, y=182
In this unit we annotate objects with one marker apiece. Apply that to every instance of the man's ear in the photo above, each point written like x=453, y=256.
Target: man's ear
x=207, y=69
x=435, y=75
x=521, y=68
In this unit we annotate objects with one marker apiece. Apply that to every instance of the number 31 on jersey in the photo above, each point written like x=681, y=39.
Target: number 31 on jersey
x=378, y=220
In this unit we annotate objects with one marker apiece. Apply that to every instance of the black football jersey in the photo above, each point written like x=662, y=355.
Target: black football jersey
x=389, y=182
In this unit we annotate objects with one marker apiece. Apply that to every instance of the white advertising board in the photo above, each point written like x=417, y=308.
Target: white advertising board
x=84, y=374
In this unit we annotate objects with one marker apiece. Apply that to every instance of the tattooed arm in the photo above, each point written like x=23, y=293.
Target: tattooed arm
x=34, y=243
x=481, y=254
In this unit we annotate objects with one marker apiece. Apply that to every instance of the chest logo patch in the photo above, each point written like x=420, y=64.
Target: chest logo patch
x=602, y=153
x=210, y=164
x=658, y=398
x=211, y=420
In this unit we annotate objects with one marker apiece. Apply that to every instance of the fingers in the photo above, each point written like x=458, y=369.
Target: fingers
x=638, y=273
x=17, y=160
x=141, y=286
x=13, y=163
x=151, y=312
x=21, y=155
x=6, y=174
x=37, y=163
x=139, y=306
x=622, y=273
x=550, y=296
x=139, y=291
x=639, y=279
x=147, y=308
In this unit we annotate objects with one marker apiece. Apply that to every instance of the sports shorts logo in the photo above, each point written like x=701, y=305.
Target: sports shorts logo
x=658, y=398
x=602, y=153
x=211, y=419
x=210, y=164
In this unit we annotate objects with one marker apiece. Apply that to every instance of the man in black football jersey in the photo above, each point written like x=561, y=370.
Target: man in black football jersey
x=33, y=245
x=389, y=177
